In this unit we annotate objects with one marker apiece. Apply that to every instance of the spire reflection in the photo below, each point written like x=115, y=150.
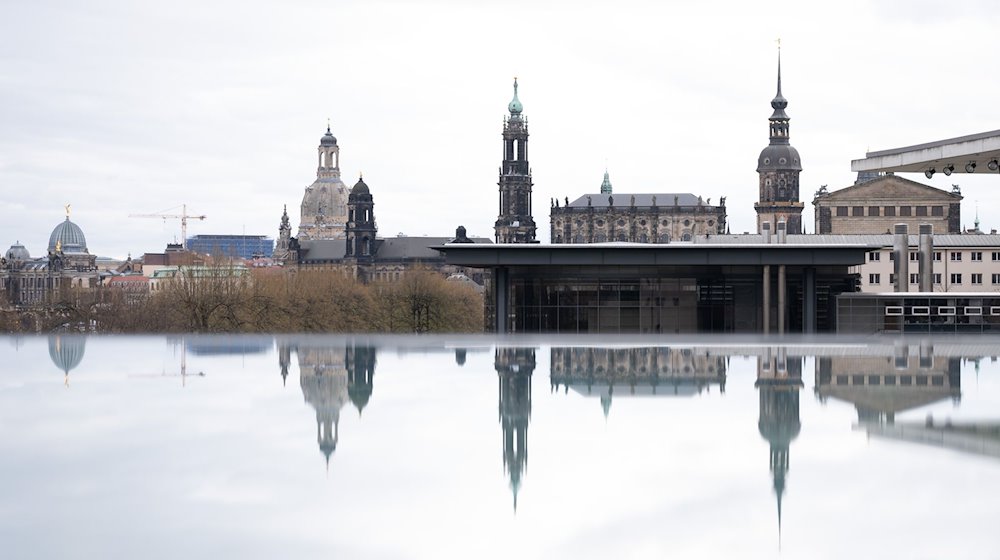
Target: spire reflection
x=778, y=382
x=514, y=367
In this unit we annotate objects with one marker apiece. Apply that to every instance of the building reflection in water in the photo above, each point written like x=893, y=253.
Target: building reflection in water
x=779, y=379
x=881, y=385
x=914, y=376
x=330, y=376
x=514, y=368
x=663, y=371
x=66, y=352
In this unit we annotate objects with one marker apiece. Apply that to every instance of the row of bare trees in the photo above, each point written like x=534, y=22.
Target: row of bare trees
x=264, y=301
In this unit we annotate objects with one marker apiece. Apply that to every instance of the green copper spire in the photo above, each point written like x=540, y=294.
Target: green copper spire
x=606, y=185
x=514, y=106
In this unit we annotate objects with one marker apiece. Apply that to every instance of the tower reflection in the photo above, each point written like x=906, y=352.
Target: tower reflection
x=330, y=376
x=779, y=380
x=514, y=367
x=664, y=371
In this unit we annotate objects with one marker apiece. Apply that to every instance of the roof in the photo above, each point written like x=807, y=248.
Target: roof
x=323, y=249
x=980, y=148
x=710, y=250
x=598, y=200
x=904, y=190
x=418, y=248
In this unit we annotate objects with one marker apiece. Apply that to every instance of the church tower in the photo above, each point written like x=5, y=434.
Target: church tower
x=779, y=380
x=324, y=204
x=361, y=227
x=779, y=167
x=515, y=224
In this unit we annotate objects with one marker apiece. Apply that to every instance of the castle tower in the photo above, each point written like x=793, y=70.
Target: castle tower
x=361, y=226
x=324, y=204
x=515, y=224
x=779, y=167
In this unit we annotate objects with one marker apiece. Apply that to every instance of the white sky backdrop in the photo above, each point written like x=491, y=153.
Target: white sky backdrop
x=137, y=107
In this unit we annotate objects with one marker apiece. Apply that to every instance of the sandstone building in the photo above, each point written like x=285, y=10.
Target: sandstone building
x=876, y=205
x=324, y=204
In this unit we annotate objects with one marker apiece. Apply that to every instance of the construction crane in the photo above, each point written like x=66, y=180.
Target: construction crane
x=183, y=217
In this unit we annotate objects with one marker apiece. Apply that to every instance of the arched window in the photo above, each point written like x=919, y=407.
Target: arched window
x=664, y=238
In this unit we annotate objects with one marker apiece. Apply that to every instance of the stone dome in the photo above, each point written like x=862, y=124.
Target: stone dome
x=18, y=252
x=779, y=157
x=360, y=187
x=69, y=236
x=328, y=139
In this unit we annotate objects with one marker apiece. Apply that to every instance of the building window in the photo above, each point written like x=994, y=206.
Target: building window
x=914, y=256
x=904, y=210
x=996, y=278
x=873, y=210
x=977, y=256
x=858, y=211
x=841, y=210
x=877, y=278
x=977, y=278
x=873, y=256
x=914, y=279
x=892, y=278
x=937, y=256
x=937, y=210
x=921, y=210
x=890, y=211
x=956, y=256
x=892, y=256
x=956, y=278
x=996, y=256
x=937, y=277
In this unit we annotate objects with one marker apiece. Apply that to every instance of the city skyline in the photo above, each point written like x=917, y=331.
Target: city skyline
x=119, y=109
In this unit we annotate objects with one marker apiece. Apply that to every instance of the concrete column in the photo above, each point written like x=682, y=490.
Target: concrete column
x=501, y=291
x=767, y=299
x=809, y=301
x=926, y=258
x=901, y=256
x=781, y=299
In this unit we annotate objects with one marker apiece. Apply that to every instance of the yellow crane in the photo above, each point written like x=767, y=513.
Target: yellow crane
x=183, y=217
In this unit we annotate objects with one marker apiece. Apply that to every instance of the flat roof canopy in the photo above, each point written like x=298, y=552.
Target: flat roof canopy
x=646, y=254
x=979, y=149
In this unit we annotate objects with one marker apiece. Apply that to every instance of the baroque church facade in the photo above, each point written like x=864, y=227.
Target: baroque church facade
x=324, y=204
x=515, y=223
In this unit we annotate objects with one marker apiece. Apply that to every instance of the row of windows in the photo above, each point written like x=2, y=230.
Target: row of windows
x=976, y=279
x=954, y=256
x=890, y=210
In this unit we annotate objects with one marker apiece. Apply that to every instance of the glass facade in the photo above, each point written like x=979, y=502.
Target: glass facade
x=664, y=299
x=240, y=246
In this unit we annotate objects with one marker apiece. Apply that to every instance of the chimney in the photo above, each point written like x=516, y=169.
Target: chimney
x=782, y=231
x=765, y=230
x=926, y=258
x=901, y=256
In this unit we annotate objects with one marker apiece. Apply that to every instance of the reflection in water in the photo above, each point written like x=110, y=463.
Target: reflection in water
x=329, y=376
x=66, y=352
x=635, y=371
x=778, y=381
x=882, y=385
x=515, y=366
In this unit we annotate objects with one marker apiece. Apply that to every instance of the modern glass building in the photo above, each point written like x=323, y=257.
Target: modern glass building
x=239, y=246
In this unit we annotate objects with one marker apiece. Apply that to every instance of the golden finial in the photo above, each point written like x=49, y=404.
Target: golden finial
x=58, y=245
x=67, y=210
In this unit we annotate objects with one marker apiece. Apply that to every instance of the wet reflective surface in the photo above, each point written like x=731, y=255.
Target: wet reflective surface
x=437, y=447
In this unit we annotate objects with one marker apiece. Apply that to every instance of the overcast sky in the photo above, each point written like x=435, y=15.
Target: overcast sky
x=139, y=107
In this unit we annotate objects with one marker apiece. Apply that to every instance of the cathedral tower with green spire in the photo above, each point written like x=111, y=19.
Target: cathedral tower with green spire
x=515, y=223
